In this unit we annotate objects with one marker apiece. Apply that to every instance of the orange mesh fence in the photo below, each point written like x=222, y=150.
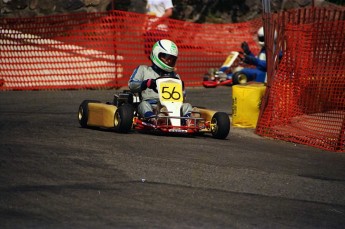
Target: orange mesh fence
x=92, y=50
x=305, y=97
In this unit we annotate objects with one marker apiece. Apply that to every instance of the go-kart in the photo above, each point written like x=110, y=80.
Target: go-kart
x=228, y=74
x=121, y=115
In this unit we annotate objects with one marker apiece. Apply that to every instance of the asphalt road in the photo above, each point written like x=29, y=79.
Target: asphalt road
x=54, y=174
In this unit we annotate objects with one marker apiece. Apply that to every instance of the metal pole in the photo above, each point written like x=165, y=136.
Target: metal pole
x=266, y=9
x=266, y=6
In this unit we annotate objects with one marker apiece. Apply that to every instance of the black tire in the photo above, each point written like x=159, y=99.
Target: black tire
x=123, y=118
x=206, y=77
x=220, y=125
x=83, y=112
x=239, y=78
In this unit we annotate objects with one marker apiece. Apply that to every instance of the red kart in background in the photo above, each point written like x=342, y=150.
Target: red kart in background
x=228, y=74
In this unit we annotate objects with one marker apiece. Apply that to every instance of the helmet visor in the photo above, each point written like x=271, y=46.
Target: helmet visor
x=167, y=59
x=261, y=38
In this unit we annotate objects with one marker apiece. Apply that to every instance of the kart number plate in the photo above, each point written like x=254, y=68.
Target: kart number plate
x=228, y=59
x=171, y=91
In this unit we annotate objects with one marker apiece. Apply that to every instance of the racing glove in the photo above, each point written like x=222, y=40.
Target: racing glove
x=149, y=83
x=250, y=60
x=245, y=48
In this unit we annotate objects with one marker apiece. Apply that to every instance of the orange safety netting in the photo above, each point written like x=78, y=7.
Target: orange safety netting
x=305, y=97
x=92, y=50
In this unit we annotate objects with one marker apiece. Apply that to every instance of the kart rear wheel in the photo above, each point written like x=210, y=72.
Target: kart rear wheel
x=123, y=118
x=206, y=77
x=239, y=78
x=220, y=125
x=83, y=112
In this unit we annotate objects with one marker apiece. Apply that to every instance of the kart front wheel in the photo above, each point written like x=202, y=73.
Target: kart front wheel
x=123, y=118
x=220, y=125
x=83, y=112
x=239, y=78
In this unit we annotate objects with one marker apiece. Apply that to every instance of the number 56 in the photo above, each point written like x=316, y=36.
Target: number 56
x=167, y=93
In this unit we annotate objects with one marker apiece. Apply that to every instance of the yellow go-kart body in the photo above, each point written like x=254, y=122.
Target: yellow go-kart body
x=122, y=116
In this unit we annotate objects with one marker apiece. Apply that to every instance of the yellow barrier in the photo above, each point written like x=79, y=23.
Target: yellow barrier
x=246, y=101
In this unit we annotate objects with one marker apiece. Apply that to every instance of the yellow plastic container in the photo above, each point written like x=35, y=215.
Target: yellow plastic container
x=246, y=102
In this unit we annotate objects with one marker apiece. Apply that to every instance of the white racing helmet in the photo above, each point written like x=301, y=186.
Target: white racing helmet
x=261, y=36
x=164, y=55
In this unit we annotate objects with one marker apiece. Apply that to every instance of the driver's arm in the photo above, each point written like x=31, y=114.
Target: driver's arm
x=136, y=80
x=262, y=65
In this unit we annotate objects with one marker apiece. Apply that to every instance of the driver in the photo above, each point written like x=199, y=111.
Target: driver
x=259, y=72
x=143, y=79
